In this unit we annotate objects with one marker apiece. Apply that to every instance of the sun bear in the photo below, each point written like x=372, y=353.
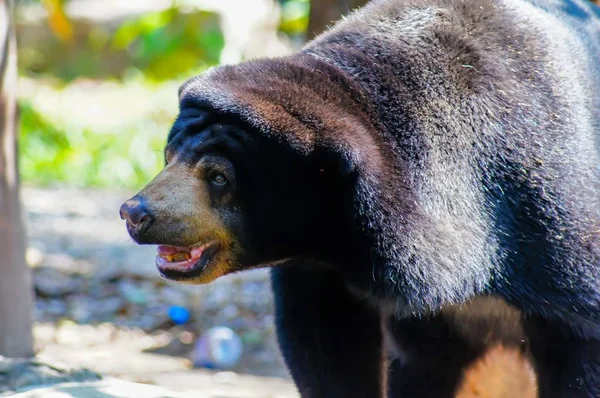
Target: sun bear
x=423, y=179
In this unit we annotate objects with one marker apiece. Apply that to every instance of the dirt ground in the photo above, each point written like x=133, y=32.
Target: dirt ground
x=100, y=305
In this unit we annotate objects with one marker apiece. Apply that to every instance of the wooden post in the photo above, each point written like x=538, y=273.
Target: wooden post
x=16, y=296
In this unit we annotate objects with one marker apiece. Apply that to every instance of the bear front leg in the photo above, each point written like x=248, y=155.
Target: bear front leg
x=330, y=340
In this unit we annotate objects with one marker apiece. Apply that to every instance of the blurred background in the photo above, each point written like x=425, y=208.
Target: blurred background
x=97, y=93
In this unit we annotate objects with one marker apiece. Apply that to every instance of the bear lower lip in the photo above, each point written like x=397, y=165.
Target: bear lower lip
x=199, y=259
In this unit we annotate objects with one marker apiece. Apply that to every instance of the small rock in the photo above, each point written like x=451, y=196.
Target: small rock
x=107, y=306
x=5, y=364
x=132, y=292
x=83, y=309
x=52, y=283
x=99, y=290
x=173, y=296
x=56, y=308
x=231, y=311
x=150, y=322
x=63, y=262
x=80, y=312
x=252, y=337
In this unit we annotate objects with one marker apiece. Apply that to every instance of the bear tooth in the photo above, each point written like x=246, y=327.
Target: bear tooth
x=181, y=256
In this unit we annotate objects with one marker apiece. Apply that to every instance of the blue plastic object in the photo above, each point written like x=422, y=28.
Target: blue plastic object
x=179, y=315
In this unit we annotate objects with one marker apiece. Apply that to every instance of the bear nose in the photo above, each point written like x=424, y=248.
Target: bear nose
x=135, y=212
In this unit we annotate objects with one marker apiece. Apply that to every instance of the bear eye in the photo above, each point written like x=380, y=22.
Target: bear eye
x=219, y=179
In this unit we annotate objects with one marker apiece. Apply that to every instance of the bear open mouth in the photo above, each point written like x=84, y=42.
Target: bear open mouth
x=178, y=263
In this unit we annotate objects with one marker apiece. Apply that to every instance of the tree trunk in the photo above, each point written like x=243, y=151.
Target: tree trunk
x=323, y=13
x=16, y=297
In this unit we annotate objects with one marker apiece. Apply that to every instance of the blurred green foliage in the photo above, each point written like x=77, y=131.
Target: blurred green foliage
x=166, y=44
x=50, y=155
x=154, y=50
x=294, y=17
